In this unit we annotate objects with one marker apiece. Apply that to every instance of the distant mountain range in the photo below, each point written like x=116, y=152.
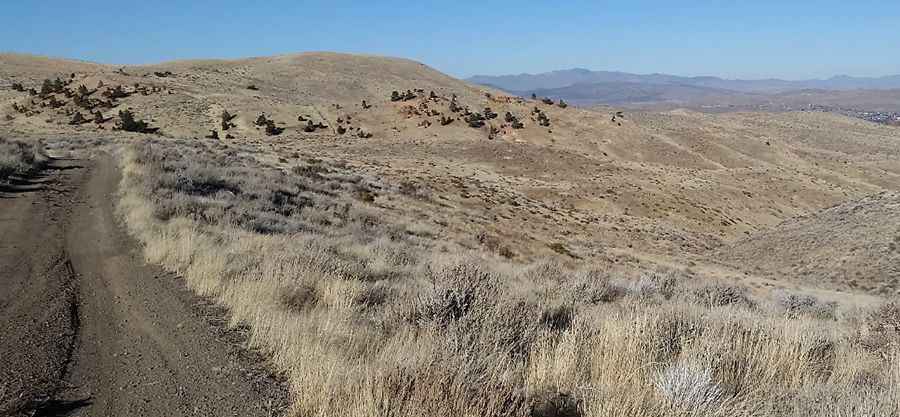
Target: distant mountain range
x=582, y=86
x=570, y=77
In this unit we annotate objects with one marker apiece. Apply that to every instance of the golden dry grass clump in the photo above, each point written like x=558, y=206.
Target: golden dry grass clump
x=20, y=158
x=367, y=316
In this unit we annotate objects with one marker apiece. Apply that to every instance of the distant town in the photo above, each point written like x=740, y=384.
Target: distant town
x=883, y=117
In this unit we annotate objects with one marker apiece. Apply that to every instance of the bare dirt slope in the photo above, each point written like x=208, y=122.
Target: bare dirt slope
x=88, y=329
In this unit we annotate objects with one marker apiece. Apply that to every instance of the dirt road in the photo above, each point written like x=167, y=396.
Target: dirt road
x=88, y=329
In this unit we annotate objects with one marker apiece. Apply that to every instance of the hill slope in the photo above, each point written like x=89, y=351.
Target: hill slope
x=624, y=190
x=854, y=245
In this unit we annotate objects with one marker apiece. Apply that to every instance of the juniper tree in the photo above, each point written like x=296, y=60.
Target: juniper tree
x=128, y=123
x=226, y=120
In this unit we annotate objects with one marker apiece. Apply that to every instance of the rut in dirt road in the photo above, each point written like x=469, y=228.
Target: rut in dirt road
x=88, y=329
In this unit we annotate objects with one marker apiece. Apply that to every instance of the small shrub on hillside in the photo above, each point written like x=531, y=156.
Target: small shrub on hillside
x=226, y=118
x=115, y=93
x=299, y=297
x=454, y=107
x=555, y=404
x=654, y=284
x=272, y=129
x=128, y=123
x=78, y=119
x=796, y=305
x=883, y=326
x=718, y=295
x=20, y=158
x=558, y=317
x=475, y=120
x=689, y=387
x=98, y=118
x=595, y=287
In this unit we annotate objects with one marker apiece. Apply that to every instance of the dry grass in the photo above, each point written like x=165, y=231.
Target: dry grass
x=366, y=317
x=20, y=158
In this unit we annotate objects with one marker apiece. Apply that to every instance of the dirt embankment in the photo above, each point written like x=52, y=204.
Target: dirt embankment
x=86, y=328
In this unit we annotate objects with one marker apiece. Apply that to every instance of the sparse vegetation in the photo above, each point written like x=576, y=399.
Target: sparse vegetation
x=20, y=158
x=226, y=118
x=367, y=318
x=475, y=120
x=128, y=123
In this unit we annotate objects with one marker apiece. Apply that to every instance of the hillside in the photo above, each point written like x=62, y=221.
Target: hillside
x=393, y=241
x=628, y=190
x=851, y=246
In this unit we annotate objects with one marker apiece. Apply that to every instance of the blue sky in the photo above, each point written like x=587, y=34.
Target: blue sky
x=735, y=39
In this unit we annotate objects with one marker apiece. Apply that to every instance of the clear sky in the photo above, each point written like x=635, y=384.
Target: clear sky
x=737, y=39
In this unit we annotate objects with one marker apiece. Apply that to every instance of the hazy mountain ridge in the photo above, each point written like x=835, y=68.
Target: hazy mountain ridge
x=663, y=91
x=570, y=77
